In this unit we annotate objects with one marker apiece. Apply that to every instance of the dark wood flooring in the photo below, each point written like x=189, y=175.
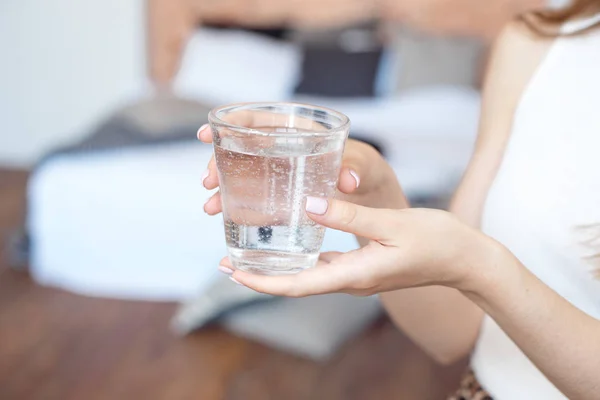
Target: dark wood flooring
x=57, y=345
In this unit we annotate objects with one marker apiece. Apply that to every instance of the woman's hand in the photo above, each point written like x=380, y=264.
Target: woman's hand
x=365, y=178
x=408, y=248
x=403, y=247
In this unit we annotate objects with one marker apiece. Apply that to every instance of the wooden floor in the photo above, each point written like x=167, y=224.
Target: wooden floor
x=56, y=345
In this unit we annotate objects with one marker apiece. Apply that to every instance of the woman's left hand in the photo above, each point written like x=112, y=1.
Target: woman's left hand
x=408, y=248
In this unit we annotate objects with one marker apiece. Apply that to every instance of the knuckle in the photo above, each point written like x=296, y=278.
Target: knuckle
x=366, y=288
x=367, y=150
x=366, y=284
x=347, y=214
x=358, y=155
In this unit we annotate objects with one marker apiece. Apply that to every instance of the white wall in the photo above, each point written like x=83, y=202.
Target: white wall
x=64, y=64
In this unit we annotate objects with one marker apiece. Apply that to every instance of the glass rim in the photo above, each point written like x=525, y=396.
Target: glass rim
x=214, y=119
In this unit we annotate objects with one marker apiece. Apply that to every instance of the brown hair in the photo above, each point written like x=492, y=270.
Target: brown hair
x=547, y=23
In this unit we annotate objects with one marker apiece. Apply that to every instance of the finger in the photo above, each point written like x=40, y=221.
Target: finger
x=226, y=267
x=313, y=281
x=322, y=263
x=329, y=256
x=226, y=262
x=349, y=180
x=210, y=179
x=358, y=162
x=213, y=206
x=324, y=259
x=205, y=134
x=371, y=223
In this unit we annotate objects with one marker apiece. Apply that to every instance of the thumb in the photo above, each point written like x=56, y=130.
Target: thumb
x=371, y=223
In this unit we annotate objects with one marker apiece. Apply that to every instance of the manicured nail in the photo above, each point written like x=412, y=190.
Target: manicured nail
x=315, y=205
x=205, y=203
x=205, y=175
x=356, y=177
x=203, y=127
x=225, y=270
x=234, y=281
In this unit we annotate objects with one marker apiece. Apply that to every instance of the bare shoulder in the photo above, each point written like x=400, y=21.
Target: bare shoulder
x=518, y=35
x=516, y=56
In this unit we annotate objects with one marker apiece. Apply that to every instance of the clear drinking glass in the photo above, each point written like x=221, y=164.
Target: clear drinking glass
x=270, y=158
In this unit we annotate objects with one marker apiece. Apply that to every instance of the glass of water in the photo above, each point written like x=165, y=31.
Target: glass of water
x=270, y=158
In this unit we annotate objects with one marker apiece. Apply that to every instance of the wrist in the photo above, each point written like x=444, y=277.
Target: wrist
x=502, y=283
x=487, y=266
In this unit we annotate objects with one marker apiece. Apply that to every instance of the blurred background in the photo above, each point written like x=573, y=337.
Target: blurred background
x=108, y=282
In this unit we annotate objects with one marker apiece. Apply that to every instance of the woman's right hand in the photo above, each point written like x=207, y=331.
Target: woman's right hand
x=365, y=178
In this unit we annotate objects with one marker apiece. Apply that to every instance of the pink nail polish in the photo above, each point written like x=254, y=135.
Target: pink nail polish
x=205, y=203
x=203, y=127
x=356, y=177
x=234, y=281
x=315, y=205
x=205, y=175
x=225, y=270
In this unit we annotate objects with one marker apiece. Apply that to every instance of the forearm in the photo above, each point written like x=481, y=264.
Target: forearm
x=441, y=320
x=561, y=340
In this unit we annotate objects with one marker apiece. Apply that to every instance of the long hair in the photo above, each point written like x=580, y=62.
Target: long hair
x=547, y=23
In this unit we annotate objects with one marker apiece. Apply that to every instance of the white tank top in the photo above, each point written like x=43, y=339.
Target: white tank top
x=547, y=187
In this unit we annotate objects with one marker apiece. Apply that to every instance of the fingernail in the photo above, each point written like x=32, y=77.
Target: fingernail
x=203, y=127
x=356, y=177
x=205, y=175
x=225, y=270
x=315, y=205
x=234, y=281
